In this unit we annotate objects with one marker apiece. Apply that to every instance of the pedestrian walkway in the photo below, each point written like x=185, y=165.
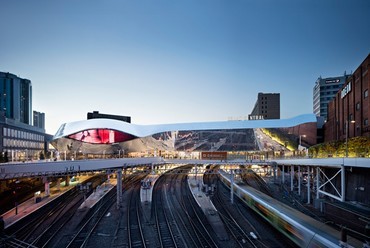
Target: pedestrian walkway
x=31, y=205
x=196, y=184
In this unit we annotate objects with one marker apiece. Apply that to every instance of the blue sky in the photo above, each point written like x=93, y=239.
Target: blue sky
x=178, y=61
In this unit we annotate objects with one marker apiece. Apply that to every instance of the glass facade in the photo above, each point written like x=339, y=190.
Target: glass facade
x=16, y=98
x=6, y=97
x=22, y=144
x=324, y=91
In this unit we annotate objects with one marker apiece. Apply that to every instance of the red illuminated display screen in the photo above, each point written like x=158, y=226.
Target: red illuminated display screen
x=101, y=136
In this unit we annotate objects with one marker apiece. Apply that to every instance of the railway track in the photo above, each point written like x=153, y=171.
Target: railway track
x=134, y=226
x=240, y=218
x=168, y=232
x=204, y=234
x=240, y=235
x=83, y=234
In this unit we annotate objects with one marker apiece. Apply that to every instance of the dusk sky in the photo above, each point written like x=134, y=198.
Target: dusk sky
x=178, y=61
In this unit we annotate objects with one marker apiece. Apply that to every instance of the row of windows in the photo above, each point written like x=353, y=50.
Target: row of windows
x=9, y=132
x=358, y=105
x=22, y=143
x=337, y=86
x=332, y=93
x=326, y=98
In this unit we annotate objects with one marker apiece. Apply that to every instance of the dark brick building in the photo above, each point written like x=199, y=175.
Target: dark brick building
x=348, y=112
x=266, y=107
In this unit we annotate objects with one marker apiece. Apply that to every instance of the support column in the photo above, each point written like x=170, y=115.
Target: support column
x=282, y=174
x=58, y=184
x=308, y=185
x=291, y=177
x=232, y=187
x=299, y=180
x=317, y=182
x=67, y=181
x=119, y=188
x=343, y=184
x=47, y=186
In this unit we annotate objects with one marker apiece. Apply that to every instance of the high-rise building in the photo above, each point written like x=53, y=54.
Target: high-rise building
x=266, y=107
x=16, y=98
x=324, y=91
x=19, y=139
x=39, y=119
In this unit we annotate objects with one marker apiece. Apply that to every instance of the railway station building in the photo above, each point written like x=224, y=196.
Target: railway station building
x=108, y=137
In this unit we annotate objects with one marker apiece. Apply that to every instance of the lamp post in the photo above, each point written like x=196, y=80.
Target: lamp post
x=300, y=139
x=347, y=127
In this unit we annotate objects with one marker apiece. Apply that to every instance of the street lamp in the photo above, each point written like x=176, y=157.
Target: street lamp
x=347, y=126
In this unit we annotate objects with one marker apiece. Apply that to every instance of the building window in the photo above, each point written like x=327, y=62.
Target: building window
x=366, y=122
x=350, y=117
x=366, y=93
x=357, y=106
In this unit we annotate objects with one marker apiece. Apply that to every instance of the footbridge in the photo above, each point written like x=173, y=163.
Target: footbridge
x=320, y=176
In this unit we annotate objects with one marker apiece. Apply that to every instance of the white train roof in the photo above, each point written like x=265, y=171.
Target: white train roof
x=67, y=129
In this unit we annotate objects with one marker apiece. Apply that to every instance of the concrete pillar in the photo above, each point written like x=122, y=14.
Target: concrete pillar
x=291, y=177
x=67, y=180
x=47, y=186
x=299, y=180
x=119, y=188
x=58, y=184
x=282, y=174
x=317, y=182
x=343, y=184
x=232, y=187
x=308, y=185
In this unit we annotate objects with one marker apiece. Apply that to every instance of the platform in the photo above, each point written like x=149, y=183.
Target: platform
x=146, y=190
x=29, y=206
x=196, y=184
x=98, y=193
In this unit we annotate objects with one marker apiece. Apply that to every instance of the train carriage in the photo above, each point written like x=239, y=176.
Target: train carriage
x=298, y=227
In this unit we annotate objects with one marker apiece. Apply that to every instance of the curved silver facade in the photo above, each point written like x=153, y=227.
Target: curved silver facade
x=97, y=136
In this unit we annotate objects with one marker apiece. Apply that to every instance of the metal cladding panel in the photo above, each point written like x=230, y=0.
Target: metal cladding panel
x=147, y=130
